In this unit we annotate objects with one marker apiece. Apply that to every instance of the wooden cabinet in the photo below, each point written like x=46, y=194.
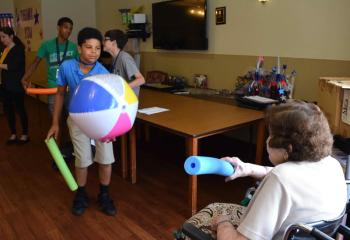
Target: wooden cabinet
x=330, y=96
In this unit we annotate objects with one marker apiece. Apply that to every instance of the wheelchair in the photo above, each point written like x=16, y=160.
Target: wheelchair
x=323, y=230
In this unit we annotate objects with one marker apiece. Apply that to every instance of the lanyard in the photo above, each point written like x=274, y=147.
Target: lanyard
x=58, y=52
x=114, y=63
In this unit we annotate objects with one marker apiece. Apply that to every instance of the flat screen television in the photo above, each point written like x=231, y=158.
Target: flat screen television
x=180, y=24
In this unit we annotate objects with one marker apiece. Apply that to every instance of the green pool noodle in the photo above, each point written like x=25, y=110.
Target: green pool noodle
x=61, y=164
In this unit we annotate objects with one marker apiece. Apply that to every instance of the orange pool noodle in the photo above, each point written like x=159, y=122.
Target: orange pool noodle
x=41, y=90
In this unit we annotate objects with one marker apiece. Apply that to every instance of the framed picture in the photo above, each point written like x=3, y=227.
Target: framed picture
x=220, y=15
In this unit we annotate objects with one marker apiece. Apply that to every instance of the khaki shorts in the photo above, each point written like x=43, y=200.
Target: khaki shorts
x=82, y=148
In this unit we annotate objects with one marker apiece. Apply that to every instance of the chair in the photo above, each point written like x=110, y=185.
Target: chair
x=156, y=77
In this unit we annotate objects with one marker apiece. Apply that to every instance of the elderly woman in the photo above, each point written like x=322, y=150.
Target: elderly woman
x=12, y=64
x=306, y=184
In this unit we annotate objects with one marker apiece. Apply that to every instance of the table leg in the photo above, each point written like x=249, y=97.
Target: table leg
x=260, y=142
x=147, y=132
x=132, y=154
x=192, y=149
x=123, y=153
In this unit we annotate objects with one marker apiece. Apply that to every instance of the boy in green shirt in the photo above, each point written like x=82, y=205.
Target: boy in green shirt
x=55, y=51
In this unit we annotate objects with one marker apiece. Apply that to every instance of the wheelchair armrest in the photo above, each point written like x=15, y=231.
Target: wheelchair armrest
x=319, y=230
x=296, y=230
x=194, y=233
x=319, y=234
x=344, y=230
x=329, y=227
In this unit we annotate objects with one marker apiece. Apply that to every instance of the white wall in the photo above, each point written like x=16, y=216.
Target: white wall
x=314, y=29
x=82, y=12
x=317, y=29
x=6, y=6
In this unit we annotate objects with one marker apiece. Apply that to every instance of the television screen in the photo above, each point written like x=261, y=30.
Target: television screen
x=180, y=24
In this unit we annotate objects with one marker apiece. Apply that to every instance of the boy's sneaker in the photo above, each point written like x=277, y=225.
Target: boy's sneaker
x=106, y=204
x=80, y=203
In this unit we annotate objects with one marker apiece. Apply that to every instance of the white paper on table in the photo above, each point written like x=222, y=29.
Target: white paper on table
x=152, y=110
x=260, y=99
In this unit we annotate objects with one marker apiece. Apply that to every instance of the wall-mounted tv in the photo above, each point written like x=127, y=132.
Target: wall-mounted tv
x=180, y=24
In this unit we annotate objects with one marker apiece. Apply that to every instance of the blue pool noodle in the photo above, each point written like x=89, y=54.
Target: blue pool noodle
x=197, y=165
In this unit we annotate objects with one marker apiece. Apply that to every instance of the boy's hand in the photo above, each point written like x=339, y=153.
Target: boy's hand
x=110, y=140
x=53, y=132
x=242, y=169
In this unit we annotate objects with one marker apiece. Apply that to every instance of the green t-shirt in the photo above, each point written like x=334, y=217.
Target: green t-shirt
x=48, y=51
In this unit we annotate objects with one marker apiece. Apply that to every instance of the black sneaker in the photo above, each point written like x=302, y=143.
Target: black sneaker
x=106, y=204
x=80, y=203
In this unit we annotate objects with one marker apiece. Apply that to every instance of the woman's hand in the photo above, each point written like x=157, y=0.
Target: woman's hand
x=242, y=169
x=219, y=219
x=225, y=230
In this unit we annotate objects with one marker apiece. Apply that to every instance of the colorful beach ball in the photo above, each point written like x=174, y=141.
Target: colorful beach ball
x=103, y=106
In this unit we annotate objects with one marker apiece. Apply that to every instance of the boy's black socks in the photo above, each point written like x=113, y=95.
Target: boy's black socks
x=80, y=202
x=81, y=190
x=103, y=188
x=105, y=202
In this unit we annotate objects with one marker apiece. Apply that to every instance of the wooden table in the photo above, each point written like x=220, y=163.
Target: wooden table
x=194, y=119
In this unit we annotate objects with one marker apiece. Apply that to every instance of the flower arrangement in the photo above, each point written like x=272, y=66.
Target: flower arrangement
x=274, y=84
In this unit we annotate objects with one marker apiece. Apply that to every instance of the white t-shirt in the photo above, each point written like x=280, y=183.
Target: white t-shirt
x=295, y=192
